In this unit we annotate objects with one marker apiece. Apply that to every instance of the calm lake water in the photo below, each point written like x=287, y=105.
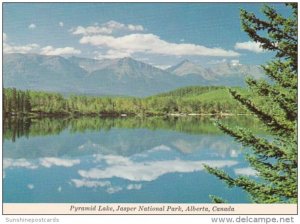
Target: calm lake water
x=130, y=160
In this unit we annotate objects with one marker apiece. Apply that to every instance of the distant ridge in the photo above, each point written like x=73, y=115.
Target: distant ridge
x=125, y=76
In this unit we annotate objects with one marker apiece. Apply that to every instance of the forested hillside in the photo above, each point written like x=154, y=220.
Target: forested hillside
x=188, y=100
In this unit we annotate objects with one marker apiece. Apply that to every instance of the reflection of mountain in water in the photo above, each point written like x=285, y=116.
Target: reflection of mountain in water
x=120, y=136
x=122, y=160
x=105, y=177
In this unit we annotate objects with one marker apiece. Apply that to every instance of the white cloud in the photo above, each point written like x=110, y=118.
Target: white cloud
x=49, y=50
x=35, y=48
x=80, y=30
x=114, y=25
x=152, y=44
x=30, y=186
x=106, y=28
x=32, y=26
x=134, y=187
x=248, y=171
x=28, y=48
x=53, y=161
x=59, y=189
x=4, y=37
x=135, y=27
x=112, y=54
x=249, y=46
x=213, y=62
x=61, y=24
x=149, y=171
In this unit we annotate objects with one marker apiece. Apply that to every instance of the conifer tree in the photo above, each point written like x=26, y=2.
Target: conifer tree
x=27, y=103
x=274, y=159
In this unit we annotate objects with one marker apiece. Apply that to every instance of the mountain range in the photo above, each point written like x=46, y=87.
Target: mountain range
x=125, y=76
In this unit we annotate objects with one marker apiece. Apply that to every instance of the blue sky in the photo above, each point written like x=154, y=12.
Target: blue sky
x=161, y=34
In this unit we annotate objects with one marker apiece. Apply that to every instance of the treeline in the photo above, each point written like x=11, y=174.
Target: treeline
x=199, y=100
x=190, y=91
x=16, y=101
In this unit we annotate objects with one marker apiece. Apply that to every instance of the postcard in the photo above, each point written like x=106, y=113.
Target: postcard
x=149, y=108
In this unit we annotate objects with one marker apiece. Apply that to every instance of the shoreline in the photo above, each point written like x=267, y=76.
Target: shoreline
x=39, y=115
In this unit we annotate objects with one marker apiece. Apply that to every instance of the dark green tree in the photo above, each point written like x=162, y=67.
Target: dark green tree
x=274, y=159
x=27, y=103
x=14, y=100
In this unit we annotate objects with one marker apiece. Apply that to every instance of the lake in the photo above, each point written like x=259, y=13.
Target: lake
x=120, y=160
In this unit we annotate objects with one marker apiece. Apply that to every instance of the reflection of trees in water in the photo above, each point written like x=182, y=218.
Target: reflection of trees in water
x=118, y=136
x=15, y=127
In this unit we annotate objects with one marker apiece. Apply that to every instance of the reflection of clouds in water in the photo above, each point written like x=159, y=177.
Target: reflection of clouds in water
x=247, y=171
x=159, y=148
x=112, y=159
x=90, y=183
x=112, y=189
x=134, y=187
x=90, y=145
x=53, y=161
x=21, y=163
x=59, y=189
x=225, y=152
x=78, y=183
x=45, y=162
x=148, y=170
x=234, y=153
x=132, y=169
x=30, y=186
